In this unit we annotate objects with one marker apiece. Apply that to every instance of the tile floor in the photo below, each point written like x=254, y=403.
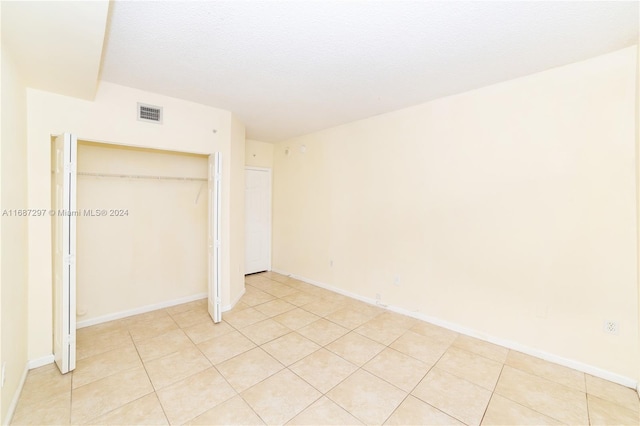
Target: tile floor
x=292, y=353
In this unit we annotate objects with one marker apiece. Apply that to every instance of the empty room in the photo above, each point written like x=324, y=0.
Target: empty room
x=324, y=212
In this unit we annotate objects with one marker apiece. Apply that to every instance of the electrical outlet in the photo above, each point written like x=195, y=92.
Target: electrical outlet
x=610, y=327
x=4, y=376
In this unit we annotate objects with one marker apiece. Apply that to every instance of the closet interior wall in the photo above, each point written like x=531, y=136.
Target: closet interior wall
x=151, y=247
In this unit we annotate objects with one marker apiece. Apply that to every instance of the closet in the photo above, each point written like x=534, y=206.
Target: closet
x=144, y=229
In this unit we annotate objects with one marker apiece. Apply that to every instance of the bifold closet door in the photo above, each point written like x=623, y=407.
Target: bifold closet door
x=64, y=252
x=214, y=240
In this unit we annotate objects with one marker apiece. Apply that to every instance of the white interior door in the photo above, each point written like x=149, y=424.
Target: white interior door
x=257, y=220
x=64, y=252
x=215, y=272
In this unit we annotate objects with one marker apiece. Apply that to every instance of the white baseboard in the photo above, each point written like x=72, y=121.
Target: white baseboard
x=16, y=396
x=234, y=302
x=576, y=365
x=39, y=362
x=140, y=310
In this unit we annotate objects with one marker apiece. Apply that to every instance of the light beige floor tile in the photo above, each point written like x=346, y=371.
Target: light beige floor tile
x=368, y=309
x=472, y=367
x=395, y=319
x=207, y=330
x=341, y=299
x=44, y=383
x=324, y=412
x=55, y=410
x=147, y=317
x=240, y=306
x=196, y=304
x=176, y=366
x=323, y=332
x=323, y=369
x=544, y=396
x=296, y=318
x=349, y=318
x=603, y=412
x=324, y=294
x=105, y=364
x=380, y=332
x=397, y=368
x=256, y=278
x=243, y=318
x=164, y=344
x=275, y=307
x=280, y=397
x=502, y=411
x=227, y=346
x=458, y=398
x=250, y=368
x=232, y=412
x=299, y=298
x=146, y=330
x=322, y=307
x=265, y=331
x=274, y=288
x=280, y=290
x=420, y=347
x=102, y=328
x=263, y=283
x=613, y=392
x=557, y=373
x=412, y=411
x=290, y=348
x=480, y=347
x=144, y=411
x=355, y=348
x=95, y=344
x=370, y=399
x=255, y=297
x=100, y=397
x=301, y=286
x=194, y=395
x=192, y=317
x=279, y=277
x=434, y=332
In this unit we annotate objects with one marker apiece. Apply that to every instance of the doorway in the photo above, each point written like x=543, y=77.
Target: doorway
x=257, y=220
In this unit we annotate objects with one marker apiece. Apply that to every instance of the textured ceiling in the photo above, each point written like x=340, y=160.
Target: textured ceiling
x=288, y=68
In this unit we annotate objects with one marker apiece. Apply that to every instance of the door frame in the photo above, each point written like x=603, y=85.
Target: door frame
x=64, y=209
x=270, y=203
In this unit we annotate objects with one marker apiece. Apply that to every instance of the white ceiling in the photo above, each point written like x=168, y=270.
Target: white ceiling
x=288, y=68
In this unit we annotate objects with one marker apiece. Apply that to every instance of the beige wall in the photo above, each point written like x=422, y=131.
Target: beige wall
x=154, y=254
x=13, y=259
x=236, y=206
x=187, y=127
x=258, y=154
x=509, y=211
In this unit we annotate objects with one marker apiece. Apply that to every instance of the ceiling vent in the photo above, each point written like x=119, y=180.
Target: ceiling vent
x=149, y=113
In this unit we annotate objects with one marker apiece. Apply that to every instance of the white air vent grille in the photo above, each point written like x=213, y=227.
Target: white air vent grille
x=150, y=113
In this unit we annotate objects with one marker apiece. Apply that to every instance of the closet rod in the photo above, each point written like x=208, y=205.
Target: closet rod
x=141, y=177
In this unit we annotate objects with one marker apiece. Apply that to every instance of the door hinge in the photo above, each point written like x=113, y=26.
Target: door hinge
x=69, y=167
